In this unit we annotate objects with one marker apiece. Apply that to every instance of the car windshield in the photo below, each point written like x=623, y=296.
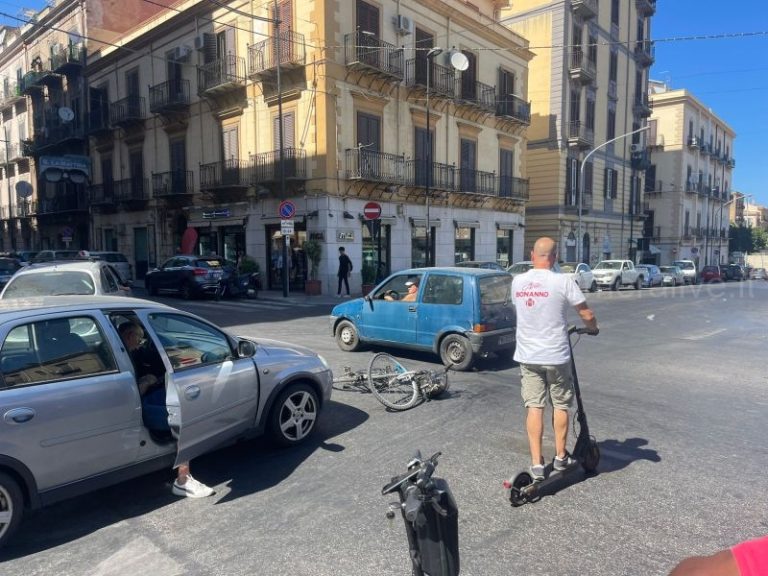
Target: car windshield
x=608, y=266
x=684, y=265
x=494, y=289
x=667, y=268
x=50, y=284
x=114, y=257
x=520, y=267
x=208, y=263
x=643, y=268
x=568, y=267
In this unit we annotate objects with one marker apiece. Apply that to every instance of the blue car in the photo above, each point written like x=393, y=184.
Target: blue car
x=651, y=274
x=461, y=314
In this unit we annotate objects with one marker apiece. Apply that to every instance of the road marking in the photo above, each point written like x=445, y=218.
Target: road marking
x=705, y=335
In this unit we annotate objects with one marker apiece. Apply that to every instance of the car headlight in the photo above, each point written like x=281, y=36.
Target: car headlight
x=324, y=362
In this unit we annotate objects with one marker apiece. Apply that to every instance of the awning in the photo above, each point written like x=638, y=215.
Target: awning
x=508, y=225
x=54, y=168
x=466, y=224
x=422, y=222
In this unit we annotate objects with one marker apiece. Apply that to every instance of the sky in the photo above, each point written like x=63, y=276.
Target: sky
x=716, y=50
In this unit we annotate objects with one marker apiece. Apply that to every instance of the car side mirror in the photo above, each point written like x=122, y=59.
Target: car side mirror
x=246, y=349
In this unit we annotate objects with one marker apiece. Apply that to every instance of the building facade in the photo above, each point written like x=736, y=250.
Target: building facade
x=206, y=125
x=688, y=182
x=588, y=92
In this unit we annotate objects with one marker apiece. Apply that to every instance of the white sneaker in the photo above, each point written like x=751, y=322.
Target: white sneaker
x=192, y=488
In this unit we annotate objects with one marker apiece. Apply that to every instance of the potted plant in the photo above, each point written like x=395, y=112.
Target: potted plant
x=314, y=251
x=368, y=273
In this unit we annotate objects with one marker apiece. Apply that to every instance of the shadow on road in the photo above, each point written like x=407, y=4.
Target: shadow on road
x=249, y=466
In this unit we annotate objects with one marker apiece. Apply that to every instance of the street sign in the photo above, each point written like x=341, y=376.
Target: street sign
x=286, y=210
x=372, y=211
x=286, y=227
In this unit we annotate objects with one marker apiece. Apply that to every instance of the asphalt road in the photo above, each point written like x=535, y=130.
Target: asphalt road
x=675, y=389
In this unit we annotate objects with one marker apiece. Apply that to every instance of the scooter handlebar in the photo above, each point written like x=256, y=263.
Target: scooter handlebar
x=412, y=504
x=582, y=330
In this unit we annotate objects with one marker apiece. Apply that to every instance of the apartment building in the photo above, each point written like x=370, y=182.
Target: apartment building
x=688, y=182
x=192, y=125
x=588, y=92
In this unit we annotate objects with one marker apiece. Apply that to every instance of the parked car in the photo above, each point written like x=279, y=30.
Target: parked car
x=52, y=255
x=488, y=264
x=66, y=278
x=672, y=276
x=582, y=273
x=758, y=274
x=732, y=272
x=72, y=411
x=8, y=267
x=459, y=313
x=524, y=266
x=651, y=275
x=23, y=256
x=711, y=274
x=118, y=261
x=188, y=275
x=614, y=274
x=690, y=272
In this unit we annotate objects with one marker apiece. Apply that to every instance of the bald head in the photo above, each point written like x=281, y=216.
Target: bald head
x=544, y=253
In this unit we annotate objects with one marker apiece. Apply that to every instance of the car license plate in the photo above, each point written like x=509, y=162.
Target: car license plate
x=507, y=339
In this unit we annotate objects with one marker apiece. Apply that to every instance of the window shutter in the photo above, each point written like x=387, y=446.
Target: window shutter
x=614, y=184
x=368, y=18
x=209, y=48
x=288, y=130
x=588, y=178
x=230, y=148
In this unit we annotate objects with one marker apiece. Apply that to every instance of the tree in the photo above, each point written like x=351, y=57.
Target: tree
x=759, y=239
x=740, y=239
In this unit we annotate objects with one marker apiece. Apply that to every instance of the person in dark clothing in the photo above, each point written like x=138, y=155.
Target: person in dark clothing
x=345, y=269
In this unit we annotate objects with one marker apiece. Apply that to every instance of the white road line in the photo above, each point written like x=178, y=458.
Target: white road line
x=705, y=335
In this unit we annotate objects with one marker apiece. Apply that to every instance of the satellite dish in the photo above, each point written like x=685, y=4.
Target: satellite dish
x=23, y=189
x=66, y=114
x=459, y=61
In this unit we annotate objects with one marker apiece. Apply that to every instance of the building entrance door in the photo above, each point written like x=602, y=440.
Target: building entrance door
x=297, y=259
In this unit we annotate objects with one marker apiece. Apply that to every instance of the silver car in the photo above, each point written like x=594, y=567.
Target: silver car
x=72, y=416
x=672, y=276
x=66, y=278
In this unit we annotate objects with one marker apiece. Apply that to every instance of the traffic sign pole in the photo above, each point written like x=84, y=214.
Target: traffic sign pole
x=286, y=210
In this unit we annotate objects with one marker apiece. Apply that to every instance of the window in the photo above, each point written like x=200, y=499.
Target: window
x=591, y=112
x=369, y=144
x=588, y=173
x=613, y=66
x=572, y=182
x=52, y=350
x=506, y=95
x=289, y=121
x=615, y=12
x=419, y=246
x=506, y=173
x=376, y=247
x=610, y=130
x=108, y=281
x=504, y=246
x=464, y=244
x=423, y=156
x=575, y=106
x=469, y=78
x=468, y=165
x=592, y=48
x=367, y=18
x=178, y=165
x=443, y=289
x=189, y=342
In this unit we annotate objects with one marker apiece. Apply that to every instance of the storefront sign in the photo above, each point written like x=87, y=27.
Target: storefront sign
x=213, y=214
x=345, y=236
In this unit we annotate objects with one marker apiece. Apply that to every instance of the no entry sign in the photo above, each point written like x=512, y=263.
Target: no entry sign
x=372, y=211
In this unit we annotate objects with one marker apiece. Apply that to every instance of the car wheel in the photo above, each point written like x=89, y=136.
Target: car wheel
x=151, y=289
x=346, y=336
x=186, y=291
x=616, y=285
x=294, y=415
x=11, y=507
x=639, y=283
x=593, y=287
x=456, y=352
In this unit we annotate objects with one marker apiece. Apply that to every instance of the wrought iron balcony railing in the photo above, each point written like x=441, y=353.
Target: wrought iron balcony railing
x=373, y=166
x=513, y=187
x=135, y=189
x=102, y=194
x=478, y=94
x=224, y=74
x=644, y=52
x=128, y=110
x=173, y=183
x=266, y=165
x=511, y=106
x=365, y=51
x=646, y=7
x=68, y=59
x=442, y=80
x=286, y=49
x=587, y=9
x=580, y=134
x=230, y=173
x=168, y=96
x=580, y=67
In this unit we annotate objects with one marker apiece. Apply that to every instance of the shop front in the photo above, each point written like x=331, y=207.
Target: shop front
x=296, y=263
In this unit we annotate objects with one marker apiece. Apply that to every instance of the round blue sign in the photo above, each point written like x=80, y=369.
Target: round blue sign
x=287, y=209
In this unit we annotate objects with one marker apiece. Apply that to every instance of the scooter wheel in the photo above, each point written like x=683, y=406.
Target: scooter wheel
x=591, y=458
x=518, y=496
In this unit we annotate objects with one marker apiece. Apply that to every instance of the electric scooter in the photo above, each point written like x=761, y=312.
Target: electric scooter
x=522, y=488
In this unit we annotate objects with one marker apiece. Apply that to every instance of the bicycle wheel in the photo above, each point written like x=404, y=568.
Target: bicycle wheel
x=391, y=383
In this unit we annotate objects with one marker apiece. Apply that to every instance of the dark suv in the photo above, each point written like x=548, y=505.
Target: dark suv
x=188, y=275
x=732, y=272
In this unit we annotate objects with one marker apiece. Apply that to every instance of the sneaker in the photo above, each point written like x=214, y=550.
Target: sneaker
x=561, y=464
x=537, y=472
x=192, y=489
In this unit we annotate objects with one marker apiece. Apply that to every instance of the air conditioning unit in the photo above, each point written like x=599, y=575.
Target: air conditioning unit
x=404, y=25
x=181, y=53
x=637, y=148
x=199, y=41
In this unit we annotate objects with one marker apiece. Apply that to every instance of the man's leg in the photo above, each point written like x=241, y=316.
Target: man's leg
x=560, y=423
x=346, y=284
x=533, y=390
x=338, y=291
x=534, y=424
x=561, y=394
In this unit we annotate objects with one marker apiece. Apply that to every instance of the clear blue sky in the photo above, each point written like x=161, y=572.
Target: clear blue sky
x=728, y=75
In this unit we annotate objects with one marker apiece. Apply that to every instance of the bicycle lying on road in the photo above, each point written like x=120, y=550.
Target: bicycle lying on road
x=393, y=384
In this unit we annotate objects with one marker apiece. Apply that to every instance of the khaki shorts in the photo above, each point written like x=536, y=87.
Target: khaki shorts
x=540, y=382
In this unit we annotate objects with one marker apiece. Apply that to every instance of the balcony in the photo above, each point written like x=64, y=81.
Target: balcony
x=221, y=76
x=226, y=180
x=68, y=60
x=132, y=192
x=512, y=187
x=694, y=142
x=12, y=93
x=443, y=175
x=372, y=166
x=169, y=97
x=646, y=7
x=266, y=165
x=23, y=209
x=640, y=160
x=176, y=184
x=128, y=111
x=580, y=67
x=473, y=181
x=580, y=135
x=371, y=55
x=32, y=83
x=102, y=197
x=731, y=162
x=12, y=153
x=65, y=200
x=54, y=133
x=586, y=9
x=641, y=107
x=705, y=148
x=644, y=53
x=514, y=108
x=478, y=95
x=442, y=80
x=263, y=57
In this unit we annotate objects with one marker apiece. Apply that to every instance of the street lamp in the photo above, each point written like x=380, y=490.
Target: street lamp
x=430, y=57
x=579, y=242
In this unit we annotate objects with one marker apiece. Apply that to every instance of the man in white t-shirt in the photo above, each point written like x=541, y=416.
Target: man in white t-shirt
x=542, y=298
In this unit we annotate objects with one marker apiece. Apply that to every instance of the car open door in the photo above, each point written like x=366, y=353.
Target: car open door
x=211, y=394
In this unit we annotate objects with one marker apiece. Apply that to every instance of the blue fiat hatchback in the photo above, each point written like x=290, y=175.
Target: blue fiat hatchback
x=459, y=313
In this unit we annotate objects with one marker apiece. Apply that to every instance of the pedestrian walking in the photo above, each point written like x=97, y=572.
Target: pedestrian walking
x=345, y=269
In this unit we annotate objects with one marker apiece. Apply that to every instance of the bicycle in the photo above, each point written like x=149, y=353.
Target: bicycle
x=393, y=384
